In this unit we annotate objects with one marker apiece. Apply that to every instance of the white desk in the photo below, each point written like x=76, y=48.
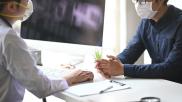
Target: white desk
x=167, y=91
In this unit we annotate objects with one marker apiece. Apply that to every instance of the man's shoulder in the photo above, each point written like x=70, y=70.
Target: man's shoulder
x=178, y=13
x=144, y=22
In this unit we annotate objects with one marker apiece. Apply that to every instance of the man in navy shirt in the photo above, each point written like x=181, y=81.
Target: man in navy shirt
x=160, y=33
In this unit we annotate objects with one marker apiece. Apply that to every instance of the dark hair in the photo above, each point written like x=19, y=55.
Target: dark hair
x=2, y=4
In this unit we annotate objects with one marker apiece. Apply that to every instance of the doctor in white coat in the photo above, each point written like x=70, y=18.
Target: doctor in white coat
x=17, y=68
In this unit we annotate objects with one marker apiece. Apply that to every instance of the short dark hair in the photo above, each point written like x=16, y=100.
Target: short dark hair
x=2, y=4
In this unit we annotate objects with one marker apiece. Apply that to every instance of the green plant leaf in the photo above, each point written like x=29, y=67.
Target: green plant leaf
x=98, y=55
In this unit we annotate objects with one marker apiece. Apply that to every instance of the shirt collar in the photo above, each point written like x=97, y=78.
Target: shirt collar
x=165, y=19
x=5, y=21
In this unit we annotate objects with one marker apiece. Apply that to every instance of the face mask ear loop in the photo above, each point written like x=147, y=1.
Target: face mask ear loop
x=6, y=15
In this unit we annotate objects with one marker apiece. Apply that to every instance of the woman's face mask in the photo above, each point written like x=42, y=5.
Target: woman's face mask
x=144, y=9
x=28, y=11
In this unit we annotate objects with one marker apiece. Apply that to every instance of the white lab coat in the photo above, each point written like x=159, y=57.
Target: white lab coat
x=18, y=70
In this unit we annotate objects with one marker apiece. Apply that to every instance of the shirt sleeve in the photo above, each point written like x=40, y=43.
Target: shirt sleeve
x=170, y=69
x=134, y=49
x=22, y=68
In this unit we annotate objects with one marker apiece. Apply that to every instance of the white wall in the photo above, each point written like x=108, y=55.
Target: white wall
x=112, y=26
x=132, y=24
x=128, y=24
x=177, y=3
x=120, y=25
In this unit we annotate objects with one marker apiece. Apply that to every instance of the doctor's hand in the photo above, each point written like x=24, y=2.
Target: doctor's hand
x=78, y=76
x=110, y=67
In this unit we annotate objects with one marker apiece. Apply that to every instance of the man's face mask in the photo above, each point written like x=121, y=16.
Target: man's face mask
x=144, y=9
x=26, y=15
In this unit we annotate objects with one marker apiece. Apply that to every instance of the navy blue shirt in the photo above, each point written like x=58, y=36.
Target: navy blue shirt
x=163, y=41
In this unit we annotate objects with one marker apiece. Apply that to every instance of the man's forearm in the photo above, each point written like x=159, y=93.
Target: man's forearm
x=162, y=70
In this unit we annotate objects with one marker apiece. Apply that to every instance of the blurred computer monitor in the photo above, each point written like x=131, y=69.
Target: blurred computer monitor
x=67, y=21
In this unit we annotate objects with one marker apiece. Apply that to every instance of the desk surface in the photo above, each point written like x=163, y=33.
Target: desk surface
x=167, y=91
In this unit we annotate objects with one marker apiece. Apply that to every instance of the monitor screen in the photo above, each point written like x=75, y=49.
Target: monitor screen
x=67, y=21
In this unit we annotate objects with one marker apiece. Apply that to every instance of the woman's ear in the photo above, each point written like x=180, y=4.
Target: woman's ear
x=11, y=7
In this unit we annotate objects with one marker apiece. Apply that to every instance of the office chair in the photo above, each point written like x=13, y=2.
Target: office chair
x=44, y=100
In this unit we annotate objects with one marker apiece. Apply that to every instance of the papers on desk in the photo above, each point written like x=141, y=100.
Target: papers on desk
x=53, y=73
x=87, y=89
